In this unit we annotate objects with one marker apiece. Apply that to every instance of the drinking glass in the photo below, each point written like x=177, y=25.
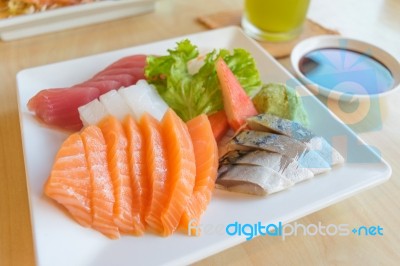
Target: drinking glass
x=274, y=20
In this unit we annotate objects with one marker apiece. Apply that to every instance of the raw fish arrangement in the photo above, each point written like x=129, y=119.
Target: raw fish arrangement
x=126, y=177
x=144, y=155
x=272, y=155
x=58, y=107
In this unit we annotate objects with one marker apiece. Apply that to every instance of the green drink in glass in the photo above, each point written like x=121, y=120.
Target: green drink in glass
x=274, y=20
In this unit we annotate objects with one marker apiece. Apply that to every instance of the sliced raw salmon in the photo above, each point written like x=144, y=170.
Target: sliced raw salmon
x=102, y=201
x=69, y=181
x=156, y=163
x=126, y=213
x=181, y=170
x=206, y=157
x=136, y=156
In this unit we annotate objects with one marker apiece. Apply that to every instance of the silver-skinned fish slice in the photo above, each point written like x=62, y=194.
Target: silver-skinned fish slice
x=253, y=179
x=284, y=145
x=286, y=166
x=232, y=156
x=274, y=124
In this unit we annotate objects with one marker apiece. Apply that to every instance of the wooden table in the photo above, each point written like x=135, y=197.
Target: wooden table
x=378, y=23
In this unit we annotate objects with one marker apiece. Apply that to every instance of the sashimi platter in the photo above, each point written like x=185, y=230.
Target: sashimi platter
x=141, y=149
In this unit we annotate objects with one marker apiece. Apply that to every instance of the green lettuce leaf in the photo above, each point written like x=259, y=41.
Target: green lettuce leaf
x=192, y=94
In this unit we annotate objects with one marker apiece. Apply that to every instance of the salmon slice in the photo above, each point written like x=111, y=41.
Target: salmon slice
x=69, y=181
x=156, y=163
x=126, y=214
x=206, y=157
x=181, y=170
x=102, y=201
x=139, y=182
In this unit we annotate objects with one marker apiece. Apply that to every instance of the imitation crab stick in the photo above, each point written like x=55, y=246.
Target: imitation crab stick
x=237, y=104
x=219, y=124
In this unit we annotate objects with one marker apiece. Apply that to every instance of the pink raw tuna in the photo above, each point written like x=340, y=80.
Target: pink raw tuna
x=102, y=85
x=117, y=71
x=130, y=61
x=59, y=107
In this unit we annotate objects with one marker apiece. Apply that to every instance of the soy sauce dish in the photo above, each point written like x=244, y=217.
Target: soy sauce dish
x=344, y=69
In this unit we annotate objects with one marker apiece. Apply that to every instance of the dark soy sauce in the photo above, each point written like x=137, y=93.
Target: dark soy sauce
x=346, y=71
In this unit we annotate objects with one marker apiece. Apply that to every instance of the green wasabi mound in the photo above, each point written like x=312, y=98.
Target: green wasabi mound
x=281, y=100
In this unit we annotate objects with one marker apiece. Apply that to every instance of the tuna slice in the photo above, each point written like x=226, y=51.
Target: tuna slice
x=274, y=124
x=59, y=107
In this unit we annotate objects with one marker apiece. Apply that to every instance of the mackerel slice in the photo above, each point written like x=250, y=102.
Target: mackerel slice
x=232, y=157
x=274, y=124
x=253, y=179
x=285, y=166
x=284, y=145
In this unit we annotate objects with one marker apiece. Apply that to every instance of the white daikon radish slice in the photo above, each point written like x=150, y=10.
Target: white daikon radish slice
x=92, y=112
x=115, y=105
x=142, y=98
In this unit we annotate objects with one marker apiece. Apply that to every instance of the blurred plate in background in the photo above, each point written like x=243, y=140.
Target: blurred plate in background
x=71, y=17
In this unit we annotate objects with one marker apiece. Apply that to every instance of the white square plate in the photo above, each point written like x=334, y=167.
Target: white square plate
x=61, y=241
x=71, y=17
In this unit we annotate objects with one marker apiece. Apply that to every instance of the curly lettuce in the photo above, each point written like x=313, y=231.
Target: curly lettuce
x=192, y=94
